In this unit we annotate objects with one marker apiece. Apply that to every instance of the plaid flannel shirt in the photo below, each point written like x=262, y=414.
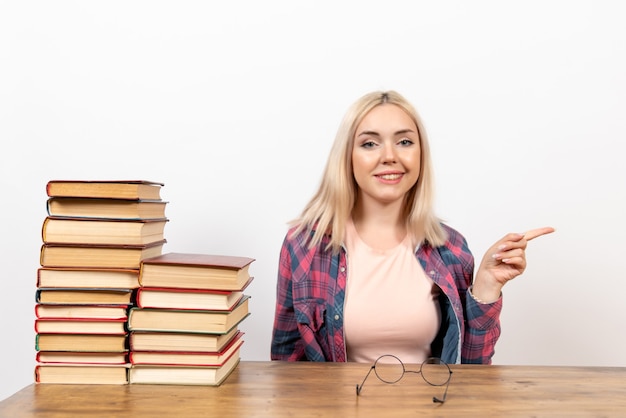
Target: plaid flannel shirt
x=311, y=286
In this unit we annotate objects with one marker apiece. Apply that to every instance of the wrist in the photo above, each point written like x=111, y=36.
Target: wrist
x=484, y=295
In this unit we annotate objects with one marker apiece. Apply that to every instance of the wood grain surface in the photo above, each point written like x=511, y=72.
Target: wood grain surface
x=278, y=389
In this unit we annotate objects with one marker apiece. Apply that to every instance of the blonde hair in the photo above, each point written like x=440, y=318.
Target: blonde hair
x=330, y=208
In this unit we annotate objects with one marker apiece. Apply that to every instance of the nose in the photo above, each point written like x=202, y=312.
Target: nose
x=389, y=154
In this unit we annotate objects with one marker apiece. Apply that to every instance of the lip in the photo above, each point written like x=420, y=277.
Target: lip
x=389, y=176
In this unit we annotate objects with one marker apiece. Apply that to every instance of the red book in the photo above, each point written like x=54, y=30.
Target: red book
x=172, y=298
x=195, y=271
x=81, y=357
x=178, y=358
x=182, y=375
x=180, y=341
x=81, y=342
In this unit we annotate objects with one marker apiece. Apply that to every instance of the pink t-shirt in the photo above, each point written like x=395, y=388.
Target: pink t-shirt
x=391, y=305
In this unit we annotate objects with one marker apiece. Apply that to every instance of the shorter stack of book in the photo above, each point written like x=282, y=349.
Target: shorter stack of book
x=185, y=327
x=94, y=238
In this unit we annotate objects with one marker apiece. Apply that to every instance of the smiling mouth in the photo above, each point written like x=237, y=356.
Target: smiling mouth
x=390, y=176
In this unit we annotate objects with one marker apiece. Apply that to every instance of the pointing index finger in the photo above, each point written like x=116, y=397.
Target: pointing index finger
x=534, y=233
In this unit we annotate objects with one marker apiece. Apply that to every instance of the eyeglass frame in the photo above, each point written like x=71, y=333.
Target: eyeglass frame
x=430, y=360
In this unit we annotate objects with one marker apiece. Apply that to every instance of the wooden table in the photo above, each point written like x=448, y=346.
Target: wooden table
x=277, y=389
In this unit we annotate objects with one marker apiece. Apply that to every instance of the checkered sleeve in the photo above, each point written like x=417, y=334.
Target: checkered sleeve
x=286, y=342
x=482, y=321
x=482, y=330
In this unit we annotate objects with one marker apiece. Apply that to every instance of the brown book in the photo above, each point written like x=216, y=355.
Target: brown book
x=81, y=374
x=98, y=256
x=219, y=322
x=183, y=375
x=81, y=357
x=105, y=208
x=80, y=326
x=110, y=189
x=195, y=271
x=170, y=298
x=81, y=342
x=188, y=358
x=88, y=278
x=89, y=311
x=80, y=296
x=60, y=230
x=180, y=341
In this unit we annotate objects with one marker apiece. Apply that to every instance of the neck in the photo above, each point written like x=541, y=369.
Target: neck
x=380, y=226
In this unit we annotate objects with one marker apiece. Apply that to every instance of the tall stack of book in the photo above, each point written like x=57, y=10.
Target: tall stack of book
x=95, y=235
x=185, y=327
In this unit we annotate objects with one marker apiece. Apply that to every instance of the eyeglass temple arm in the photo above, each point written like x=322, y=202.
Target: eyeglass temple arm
x=359, y=387
x=445, y=393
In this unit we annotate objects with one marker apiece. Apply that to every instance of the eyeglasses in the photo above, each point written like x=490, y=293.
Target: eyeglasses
x=390, y=369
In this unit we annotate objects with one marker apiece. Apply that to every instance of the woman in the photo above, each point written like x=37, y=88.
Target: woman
x=368, y=269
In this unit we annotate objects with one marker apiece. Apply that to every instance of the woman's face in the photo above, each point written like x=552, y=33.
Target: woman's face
x=386, y=155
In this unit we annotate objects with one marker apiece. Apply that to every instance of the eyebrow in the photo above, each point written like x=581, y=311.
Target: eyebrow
x=374, y=133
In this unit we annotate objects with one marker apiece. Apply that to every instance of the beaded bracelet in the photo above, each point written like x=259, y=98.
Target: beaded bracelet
x=478, y=300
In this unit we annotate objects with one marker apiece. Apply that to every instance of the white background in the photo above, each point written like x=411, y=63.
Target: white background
x=234, y=105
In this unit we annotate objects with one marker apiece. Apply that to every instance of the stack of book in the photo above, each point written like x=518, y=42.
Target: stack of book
x=185, y=327
x=95, y=236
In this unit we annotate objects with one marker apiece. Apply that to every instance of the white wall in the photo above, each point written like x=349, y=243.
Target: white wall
x=233, y=105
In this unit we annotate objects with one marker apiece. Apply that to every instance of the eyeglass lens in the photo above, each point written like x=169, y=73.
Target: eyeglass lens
x=389, y=368
x=435, y=372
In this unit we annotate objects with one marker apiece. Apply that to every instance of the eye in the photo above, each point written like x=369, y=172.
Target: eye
x=405, y=142
x=368, y=144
